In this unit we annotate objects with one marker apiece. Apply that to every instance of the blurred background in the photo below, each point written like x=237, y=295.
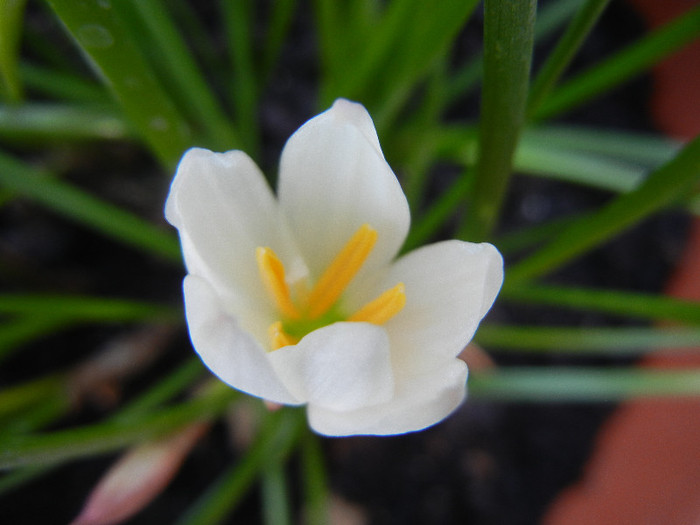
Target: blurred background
x=101, y=98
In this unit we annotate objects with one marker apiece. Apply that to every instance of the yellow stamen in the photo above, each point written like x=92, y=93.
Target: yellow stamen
x=278, y=337
x=383, y=308
x=341, y=271
x=272, y=274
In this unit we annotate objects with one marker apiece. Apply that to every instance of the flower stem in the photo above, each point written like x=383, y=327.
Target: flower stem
x=508, y=40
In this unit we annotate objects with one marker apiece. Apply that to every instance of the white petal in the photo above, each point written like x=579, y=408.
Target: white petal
x=333, y=179
x=228, y=351
x=419, y=402
x=449, y=288
x=342, y=366
x=224, y=210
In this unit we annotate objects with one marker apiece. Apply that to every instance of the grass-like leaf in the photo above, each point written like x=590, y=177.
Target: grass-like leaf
x=553, y=384
x=565, y=50
x=628, y=304
x=11, y=17
x=662, y=188
x=100, y=33
x=106, y=218
x=273, y=444
x=42, y=123
x=584, y=341
x=151, y=26
x=622, y=66
x=58, y=446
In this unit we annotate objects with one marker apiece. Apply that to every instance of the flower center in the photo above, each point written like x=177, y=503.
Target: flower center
x=303, y=312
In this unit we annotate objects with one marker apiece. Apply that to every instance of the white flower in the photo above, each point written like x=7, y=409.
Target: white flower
x=298, y=299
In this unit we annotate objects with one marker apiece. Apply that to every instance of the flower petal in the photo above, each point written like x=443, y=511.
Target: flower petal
x=228, y=351
x=342, y=366
x=224, y=210
x=419, y=402
x=333, y=179
x=449, y=287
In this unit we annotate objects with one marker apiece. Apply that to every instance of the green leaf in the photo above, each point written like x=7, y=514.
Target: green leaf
x=584, y=341
x=661, y=188
x=636, y=148
x=101, y=34
x=17, y=332
x=628, y=304
x=11, y=17
x=50, y=122
x=556, y=384
x=150, y=25
x=72, y=202
x=622, y=66
x=273, y=444
x=63, y=445
x=275, y=495
x=86, y=308
x=316, y=492
x=239, y=23
x=64, y=86
x=566, y=49
x=508, y=42
x=278, y=27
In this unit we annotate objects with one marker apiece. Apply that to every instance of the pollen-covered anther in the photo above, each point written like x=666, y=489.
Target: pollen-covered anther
x=383, y=308
x=341, y=271
x=272, y=273
x=278, y=337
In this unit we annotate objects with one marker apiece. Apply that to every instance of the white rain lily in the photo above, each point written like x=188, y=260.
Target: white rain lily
x=299, y=298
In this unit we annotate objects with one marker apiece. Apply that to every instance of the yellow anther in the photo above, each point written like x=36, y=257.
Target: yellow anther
x=383, y=308
x=278, y=337
x=272, y=274
x=341, y=271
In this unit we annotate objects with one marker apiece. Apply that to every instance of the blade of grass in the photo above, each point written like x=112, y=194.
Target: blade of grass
x=647, y=150
x=87, y=308
x=151, y=26
x=165, y=389
x=578, y=167
x=273, y=444
x=11, y=18
x=244, y=89
x=111, y=435
x=564, y=52
x=19, y=397
x=63, y=85
x=508, y=42
x=529, y=236
x=38, y=416
x=661, y=188
x=431, y=28
x=315, y=481
x=50, y=122
x=443, y=208
x=628, y=304
x=17, y=332
x=72, y=202
x=585, y=341
x=53, y=387
x=623, y=65
x=275, y=504
x=100, y=33
x=280, y=22
x=580, y=384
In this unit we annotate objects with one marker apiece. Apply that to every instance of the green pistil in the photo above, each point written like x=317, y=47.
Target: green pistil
x=300, y=327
